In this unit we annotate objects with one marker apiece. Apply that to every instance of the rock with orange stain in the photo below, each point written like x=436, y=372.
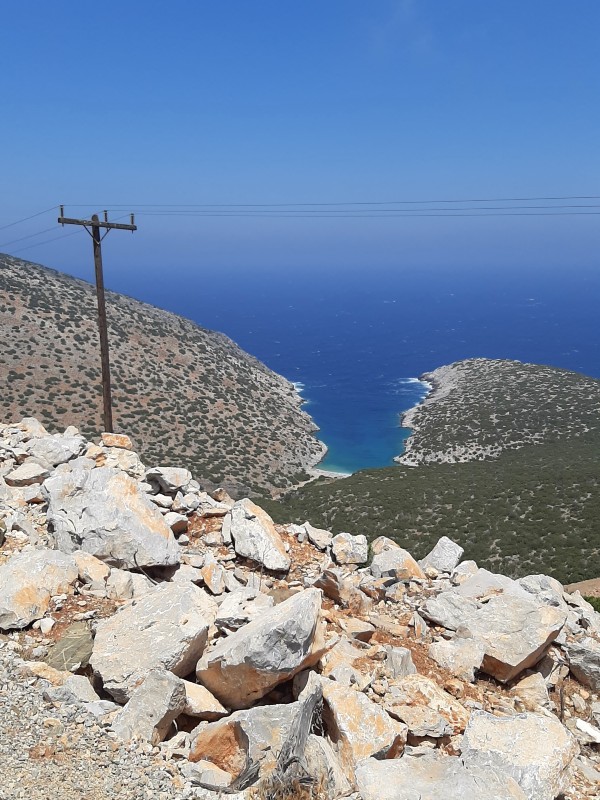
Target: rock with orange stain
x=266, y=652
x=358, y=728
x=28, y=580
x=396, y=563
x=103, y=512
x=200, y=703
x=166, y=628
x=418, y=691
x=117, y=440
x=254, y=536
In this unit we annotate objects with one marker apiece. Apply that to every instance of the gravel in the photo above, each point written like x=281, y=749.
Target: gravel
x=49, y=752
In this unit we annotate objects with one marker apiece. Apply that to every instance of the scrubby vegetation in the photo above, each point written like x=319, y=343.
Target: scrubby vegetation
x=536, y=509
x=179, y=390
x=481, y=407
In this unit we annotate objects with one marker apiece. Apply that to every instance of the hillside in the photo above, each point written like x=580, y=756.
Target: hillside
x=478, y=408
x=177, y=388
x=513, y=505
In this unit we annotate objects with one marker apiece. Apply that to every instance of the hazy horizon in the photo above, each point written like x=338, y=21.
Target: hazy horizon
x=275, y=103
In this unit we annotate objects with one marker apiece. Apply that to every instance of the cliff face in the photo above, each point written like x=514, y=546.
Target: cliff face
x=177, y=388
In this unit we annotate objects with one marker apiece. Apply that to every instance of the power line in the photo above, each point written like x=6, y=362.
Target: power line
x=31, y=236
x=353, y=203
x=375, y=215
x=25, y=219
x=46, y=241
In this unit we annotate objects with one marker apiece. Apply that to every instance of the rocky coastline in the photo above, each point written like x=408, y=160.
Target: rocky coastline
x=161, y=642
x=479, y=407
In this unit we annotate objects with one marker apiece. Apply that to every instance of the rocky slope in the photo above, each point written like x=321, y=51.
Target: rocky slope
x=480, y=407
x=158, y=641
x=177, y=387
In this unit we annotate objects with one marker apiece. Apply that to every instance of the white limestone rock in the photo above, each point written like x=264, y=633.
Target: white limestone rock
x=320, y=538
x=28, y=580
x=102, y=512
x=170, y=479
x=432, y=777
x=166, y=628
x=50, y=451
x=584, y=661
x=397, y=564
x=266, y=652
x=27, y=474
x=357, y=727
x=254, y=536
x=459, y=656
x=349, y=549
x=399, y=662
x=516, y=633
x=152, y=708
x=444, y=557
x=533, y=749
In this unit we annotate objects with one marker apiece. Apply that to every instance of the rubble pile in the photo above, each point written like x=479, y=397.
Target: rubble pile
x=262, y=661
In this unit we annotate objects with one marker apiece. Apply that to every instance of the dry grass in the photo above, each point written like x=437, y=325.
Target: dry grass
x=273, y=787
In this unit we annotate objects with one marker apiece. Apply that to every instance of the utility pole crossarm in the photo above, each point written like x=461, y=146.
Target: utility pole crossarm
x=98, y=224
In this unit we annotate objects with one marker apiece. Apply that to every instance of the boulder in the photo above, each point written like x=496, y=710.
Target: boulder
x=343, y=589
x=432, y=776
x=73, y=649
x=166, y=628
x=348, y=549
x=117, y=440
x=444, y=557
x=119, y=584
x=170, y=479
x=27, y=474
x=358, y=728
x=448, y=609
x=200, y=703
x=534, y=749
x=254, y=536
x=103, y=512
x=584, y=661
x=516, y=633
x=90, y=568
x=397, y=564
x=459, y=656
x=28, y=580
x=177, y=522
x=382, y=543
x=399, y=662
x=320, y=538
x=50, y=451
x=74, y=691
x=531, y=693
x=255, y=735
x=152, y=708
x=323, y=766
x=266, y=652
x=418, y=691
x=484, y=584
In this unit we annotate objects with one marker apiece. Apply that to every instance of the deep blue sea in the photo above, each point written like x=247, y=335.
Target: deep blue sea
x=356, y=342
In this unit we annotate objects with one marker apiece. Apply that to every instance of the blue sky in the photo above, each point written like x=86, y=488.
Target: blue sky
x=273, y=101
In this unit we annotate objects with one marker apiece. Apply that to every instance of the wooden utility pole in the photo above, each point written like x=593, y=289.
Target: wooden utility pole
x=93, y=227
